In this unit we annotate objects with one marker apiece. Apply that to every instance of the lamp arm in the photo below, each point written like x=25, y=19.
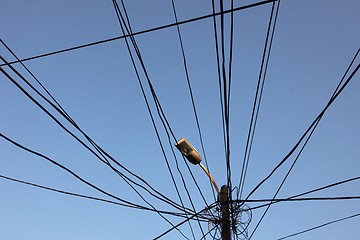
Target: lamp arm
x=211, y=178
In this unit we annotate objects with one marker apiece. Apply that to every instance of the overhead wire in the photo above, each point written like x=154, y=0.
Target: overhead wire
x=64, y=168
x=184, y=221
x=98, y=148
x=258, y=94
x=191, y=91
x=306, y=132
x=228, y=103
x=85, y=181
x=38, y=81
x=160, y=111
x=61, y=111
x=224, y=81
x=224, y=88
x=231, y=43
x=192, y=102
x=158, y=106
x=283, y=181
x=182, y=177
x=133, y=205
x=141, y=32
x=208, y=232
x=304, y=144
x=125, y=25
x=320, y=226
x=297, y=199
x=218, y=62
x=301, y=194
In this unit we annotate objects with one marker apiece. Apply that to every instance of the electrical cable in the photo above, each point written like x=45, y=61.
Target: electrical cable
x=191, y=92
x=64, y=168
x=286, y=176
x=81, y=179
x=184, y=221
x=123, y=26
x=141, y=32
x=302, y=148
x=157, y=103
x=181, y=175
x=218, y=69
x=297, y=199
x=38, y=81
x=306, y=193
x=98, y=148
x=192, y=99
x=320, y=226
x=137, y=51
x=231, y=43
x=158, y=106
x=306, y=132
x=134, y=206
x=66, y=116
x=258, y=95
x=208, y=232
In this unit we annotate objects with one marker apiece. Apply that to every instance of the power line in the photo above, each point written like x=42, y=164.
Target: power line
x=258, y=94
x=307, y=131
x=59, y=109
x=38, y=81
x=187, y=219
x=125, y=26
x=276, y=200
x=142, y=32
x=191, y=91
x=97, y=147
x=320, y=226
x=304, y=145
x=64, y=168
x=304, y=193
x=133, y=205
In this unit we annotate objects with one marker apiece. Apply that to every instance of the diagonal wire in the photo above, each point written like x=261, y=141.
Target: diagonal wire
x=258, y=95
x=191, y=92
x=58, y=108
x=132, y=205
x=193, y=106
x=217, y=50
x=83, y=180
x=98, y=148
x=184, y=221
x=64, y=168
x=320, y=226
x=302, y=194
x=339, y=89
x=142, y=32
x=38, y=81
x=157, y=103
x=123, y=25
x=304, y=145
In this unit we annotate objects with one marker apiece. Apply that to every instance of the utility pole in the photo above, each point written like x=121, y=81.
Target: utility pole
x=225, y=213
x=193, y=156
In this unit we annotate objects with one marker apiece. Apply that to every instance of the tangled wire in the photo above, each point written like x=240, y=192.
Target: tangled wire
x=240, y=218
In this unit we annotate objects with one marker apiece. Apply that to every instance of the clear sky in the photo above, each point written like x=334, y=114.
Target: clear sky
x=313, y=44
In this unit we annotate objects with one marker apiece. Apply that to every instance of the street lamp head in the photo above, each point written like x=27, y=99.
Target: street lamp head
x=188, y=151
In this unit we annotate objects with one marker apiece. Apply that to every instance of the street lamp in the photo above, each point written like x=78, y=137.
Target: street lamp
x=193, y=156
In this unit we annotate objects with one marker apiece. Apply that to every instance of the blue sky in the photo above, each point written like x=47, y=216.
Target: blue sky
x=313, y=45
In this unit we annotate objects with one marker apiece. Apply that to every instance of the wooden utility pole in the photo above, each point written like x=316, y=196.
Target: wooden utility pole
x=225, y=213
